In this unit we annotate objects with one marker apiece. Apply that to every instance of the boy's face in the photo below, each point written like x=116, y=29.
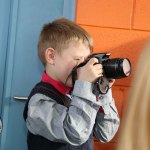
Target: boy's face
x=64, y=63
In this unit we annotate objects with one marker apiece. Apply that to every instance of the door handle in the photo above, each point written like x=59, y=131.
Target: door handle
x=20, y=98
x=1, y=126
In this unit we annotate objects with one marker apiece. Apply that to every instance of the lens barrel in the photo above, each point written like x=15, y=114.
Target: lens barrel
x=116, y=68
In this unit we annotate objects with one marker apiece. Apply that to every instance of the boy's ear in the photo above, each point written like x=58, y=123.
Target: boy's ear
x=50, y=55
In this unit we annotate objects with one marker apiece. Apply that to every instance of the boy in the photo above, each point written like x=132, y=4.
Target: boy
x=57, y=117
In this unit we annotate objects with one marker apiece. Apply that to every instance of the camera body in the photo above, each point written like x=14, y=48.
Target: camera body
x=115, y=68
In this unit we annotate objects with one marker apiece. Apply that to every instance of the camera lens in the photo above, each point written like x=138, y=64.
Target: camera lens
x=116, y=68
x=126, y=67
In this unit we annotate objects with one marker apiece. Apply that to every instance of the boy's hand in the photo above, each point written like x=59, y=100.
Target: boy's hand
x=111, y=82
x=91, y=71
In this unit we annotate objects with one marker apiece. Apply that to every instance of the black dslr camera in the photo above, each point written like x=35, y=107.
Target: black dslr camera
x=115, y=68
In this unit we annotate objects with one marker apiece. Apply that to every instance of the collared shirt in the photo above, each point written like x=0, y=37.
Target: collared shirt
x=58, y=85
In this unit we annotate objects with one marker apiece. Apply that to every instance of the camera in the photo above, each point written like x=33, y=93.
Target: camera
x=114, y=68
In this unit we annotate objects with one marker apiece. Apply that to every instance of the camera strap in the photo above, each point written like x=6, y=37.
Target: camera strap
x=103, y=85
x=74, y=76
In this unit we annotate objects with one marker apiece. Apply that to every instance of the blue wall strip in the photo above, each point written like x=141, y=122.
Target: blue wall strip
x=69, y=9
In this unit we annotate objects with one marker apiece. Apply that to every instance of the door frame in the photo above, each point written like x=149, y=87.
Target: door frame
x=10, y=48
x=10, y=16
x=4, y=27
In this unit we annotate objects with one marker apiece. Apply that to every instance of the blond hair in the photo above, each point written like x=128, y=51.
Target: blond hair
x=135, y=131
x=58, y=34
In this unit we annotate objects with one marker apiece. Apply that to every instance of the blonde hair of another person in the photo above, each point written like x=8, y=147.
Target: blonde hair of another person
x=135, y=129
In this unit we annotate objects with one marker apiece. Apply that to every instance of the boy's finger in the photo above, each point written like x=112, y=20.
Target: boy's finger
x=111, y=80
x=98, y=66
x=93, y=61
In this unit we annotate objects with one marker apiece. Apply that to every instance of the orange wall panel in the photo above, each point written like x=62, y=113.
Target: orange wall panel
x=142, y=15
x=108, y=13
x=120, y=94
x=104, y=146
x=121, y=28
x=120, y=43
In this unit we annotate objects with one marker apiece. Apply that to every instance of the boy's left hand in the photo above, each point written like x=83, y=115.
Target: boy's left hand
x=111, y=82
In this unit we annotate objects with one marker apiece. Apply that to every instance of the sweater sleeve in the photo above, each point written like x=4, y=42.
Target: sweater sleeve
x=107, y=120
x=61, y=124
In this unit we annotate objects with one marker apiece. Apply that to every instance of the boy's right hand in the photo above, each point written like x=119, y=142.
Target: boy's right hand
x=91, y=71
